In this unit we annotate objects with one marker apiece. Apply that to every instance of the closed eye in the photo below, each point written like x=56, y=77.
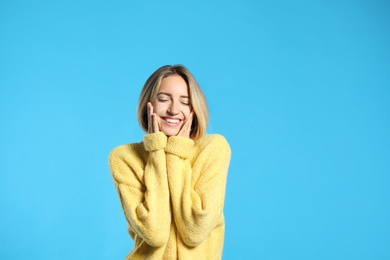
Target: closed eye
x=162, y=97
x=185, y=101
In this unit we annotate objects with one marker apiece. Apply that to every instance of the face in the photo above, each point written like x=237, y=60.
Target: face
x=172, y=104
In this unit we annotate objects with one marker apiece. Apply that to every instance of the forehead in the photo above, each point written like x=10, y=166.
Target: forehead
x=174, y=85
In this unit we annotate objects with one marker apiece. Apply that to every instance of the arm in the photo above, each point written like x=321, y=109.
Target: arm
x=197, y=207
x=143, y=189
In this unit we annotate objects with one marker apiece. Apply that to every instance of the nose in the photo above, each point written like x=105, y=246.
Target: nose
x=173, y=109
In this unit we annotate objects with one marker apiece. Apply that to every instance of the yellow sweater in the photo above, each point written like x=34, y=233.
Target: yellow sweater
x=172, y=193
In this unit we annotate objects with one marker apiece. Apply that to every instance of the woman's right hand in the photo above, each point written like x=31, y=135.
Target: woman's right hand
x=152, y=120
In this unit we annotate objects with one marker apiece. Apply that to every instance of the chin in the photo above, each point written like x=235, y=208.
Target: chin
x=170, y=132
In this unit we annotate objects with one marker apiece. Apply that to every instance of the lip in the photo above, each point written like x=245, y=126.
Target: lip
x=172, y=121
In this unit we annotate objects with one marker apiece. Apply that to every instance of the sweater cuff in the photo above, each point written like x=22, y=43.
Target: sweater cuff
x=179, y=146
x=155, y=141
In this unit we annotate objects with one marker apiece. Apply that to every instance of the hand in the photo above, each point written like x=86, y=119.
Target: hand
x=185, y=130
x=152, y=120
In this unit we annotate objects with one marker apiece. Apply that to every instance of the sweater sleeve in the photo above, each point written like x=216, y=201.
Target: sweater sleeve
x=143, y=189
x=197, y=201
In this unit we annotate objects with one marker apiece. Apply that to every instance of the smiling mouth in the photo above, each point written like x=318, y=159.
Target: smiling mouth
x=172, y=121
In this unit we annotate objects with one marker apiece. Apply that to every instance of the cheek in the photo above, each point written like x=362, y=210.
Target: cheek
x=186, y=111
x=157, y=107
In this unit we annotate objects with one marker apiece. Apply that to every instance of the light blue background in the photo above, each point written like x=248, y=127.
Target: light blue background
x=301, y=90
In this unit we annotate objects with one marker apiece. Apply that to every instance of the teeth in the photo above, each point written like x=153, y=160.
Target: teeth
x=173, y=121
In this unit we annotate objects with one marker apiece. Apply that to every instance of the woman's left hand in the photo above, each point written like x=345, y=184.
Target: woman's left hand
x=186, y=128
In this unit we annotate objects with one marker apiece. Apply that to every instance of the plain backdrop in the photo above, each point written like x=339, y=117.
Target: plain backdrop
x=300, y=89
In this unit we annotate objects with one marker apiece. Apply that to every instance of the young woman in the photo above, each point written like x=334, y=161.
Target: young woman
x=172, y=184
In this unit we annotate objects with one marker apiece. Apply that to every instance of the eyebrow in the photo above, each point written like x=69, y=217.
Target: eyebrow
x=168, y=94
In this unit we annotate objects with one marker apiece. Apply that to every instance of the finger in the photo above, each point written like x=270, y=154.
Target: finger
x=186, y=128
x=150, y=108
x=155, y=124
x=189, y=120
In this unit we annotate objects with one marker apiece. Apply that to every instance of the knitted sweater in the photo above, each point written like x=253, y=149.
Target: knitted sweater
x=172, y=193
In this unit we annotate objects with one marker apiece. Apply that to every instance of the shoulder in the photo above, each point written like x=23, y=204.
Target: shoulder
x=127, y=161
x=126, y=151
x=213, y=150
x=215, y=142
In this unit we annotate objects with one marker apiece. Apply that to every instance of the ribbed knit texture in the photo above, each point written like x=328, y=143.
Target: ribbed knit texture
x=172, y=193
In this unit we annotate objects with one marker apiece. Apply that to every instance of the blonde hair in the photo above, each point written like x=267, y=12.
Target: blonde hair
x=197, y=98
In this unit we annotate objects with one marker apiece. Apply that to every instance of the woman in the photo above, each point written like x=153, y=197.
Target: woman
x=172, y=184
